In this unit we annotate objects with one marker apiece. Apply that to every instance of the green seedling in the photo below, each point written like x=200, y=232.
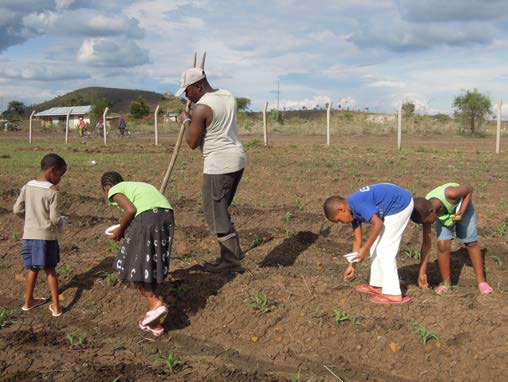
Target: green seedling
x=258, y=240
x=501, y=230
x=481, y=194
x=287, y=217
x=289, y=232
x=297, y=377
x=66, y=271
x=187, y=257
x=260, y=302
x=171, y=360
x=75, y=339
x=497, y=260
x=114, y=246
x=181, y=290
x=6, y=317
x=14, y=236
x=299, y=204
x=110, y=278
x=412, y=253
x=340, y=315
x=117, y=379
x=425, y=334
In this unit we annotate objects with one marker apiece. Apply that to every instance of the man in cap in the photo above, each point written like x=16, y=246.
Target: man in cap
x=213, y=128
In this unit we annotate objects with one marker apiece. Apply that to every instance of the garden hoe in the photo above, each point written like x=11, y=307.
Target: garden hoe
x=180, y=135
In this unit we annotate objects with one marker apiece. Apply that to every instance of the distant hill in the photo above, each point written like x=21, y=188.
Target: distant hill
x=120, y=98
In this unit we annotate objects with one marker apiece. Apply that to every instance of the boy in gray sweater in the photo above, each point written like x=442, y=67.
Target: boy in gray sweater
x=38, y=203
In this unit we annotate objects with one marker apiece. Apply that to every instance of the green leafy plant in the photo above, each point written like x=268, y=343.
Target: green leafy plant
x=14, y=236
x=75, y=339
x=258, y=240
x=497, y=260
x=6, y=317
x=289, y=232
x=171, y=360
x=110, y=278
x=180, y=290
x=299, y=204
x=412, y=253
x=297, y=377
x=341, y=316
x=287, y=217
x=260, y=302
x=425, y=334
x=114, y=246
x=66, y=271
x=501, y=229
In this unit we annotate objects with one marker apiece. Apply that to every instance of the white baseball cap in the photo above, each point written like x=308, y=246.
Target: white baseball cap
x=189, y=77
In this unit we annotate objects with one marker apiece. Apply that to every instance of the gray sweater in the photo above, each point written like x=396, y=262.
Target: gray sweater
x=39, y=205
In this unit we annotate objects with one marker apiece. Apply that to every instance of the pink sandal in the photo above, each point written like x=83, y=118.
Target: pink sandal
x=366, y=288
x=153, y=315
x=155, y=332
x=441, y=290
x=485, y=288
x=382, y=299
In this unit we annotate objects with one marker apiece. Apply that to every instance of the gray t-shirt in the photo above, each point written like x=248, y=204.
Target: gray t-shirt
x=222, y=151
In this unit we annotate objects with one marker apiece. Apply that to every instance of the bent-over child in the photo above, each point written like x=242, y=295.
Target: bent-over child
x=147, y=224
x=387, y=208
x=38, y=203
x=441, y=205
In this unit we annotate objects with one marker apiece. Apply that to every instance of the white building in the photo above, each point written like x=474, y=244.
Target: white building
x=57, y=115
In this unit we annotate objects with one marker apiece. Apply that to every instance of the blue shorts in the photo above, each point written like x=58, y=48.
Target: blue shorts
x=40, y=253
x=465, y=229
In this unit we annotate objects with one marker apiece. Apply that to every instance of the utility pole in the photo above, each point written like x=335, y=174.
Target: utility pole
x=278, y=93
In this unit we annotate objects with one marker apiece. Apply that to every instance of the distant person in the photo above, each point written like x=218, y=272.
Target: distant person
x=441, y=205
x=38, y=203
x=122, y=125
x=147, y=224
x=387, y=208
x=213, y=128
x=82, y=126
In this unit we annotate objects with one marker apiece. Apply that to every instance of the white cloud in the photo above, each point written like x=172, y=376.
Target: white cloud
x=111, y=52
x=38, y=72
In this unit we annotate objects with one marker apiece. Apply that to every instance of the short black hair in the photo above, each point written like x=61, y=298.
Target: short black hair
x=111, y=178
x=330, y=205
x=53, y=160
x=421, y=209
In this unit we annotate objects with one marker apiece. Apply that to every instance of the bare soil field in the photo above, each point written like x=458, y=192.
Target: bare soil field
x=293, y=255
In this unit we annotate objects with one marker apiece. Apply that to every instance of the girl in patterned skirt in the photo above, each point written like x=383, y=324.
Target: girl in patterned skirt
x=147, y=226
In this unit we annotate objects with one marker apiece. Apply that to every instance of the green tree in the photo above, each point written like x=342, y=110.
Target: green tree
x=139, y=108
x=98, y=107
x=243, y=103
x=472, y=109
x=14, y=111
x=408, y=109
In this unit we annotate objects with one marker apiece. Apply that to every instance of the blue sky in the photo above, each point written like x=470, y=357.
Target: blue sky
x=359, y=54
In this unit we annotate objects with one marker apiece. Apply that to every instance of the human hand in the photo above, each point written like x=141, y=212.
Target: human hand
x=362, y=253
x=54, y=187
x=349, y=274
x=116, y=234
x=457, y=217
x=183, y=115
x=422, y=280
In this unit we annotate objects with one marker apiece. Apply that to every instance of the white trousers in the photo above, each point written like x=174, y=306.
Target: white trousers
x=383, y=268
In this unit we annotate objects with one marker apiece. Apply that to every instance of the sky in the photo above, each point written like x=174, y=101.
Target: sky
x=359, y=54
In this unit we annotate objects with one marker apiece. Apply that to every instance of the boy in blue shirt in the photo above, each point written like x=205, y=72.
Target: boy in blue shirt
x=387, y=208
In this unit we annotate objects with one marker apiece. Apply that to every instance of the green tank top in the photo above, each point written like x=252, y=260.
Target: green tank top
x=439, y=193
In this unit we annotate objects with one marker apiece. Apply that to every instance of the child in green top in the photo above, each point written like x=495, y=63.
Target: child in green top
x=450, y=206
x=147, y=225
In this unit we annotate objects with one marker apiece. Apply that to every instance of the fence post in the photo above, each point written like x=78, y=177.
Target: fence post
x=265, y=130
x=399, y=128
x=498, y=133
x=328, y=110
x=67, y=126
x=30, y=127
x=104, y=123
x=156, y=113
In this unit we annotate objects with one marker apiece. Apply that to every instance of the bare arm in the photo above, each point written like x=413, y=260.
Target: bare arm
x=128, y=214
x=349, y=273
x=425, y=255
x=202, y=116
x=377, y=225
x=454, y=194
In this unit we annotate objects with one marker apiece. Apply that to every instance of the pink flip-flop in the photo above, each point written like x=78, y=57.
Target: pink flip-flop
x=441, y=290
x=153, y=315
x=366, y=288
x=155, y=332
x=381, y=299
x=485, y=288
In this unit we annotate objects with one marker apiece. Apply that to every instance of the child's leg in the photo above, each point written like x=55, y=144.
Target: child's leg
x=31, y=280
x=475, y=254
x=153, y=300
x=443, y=259
x=53, y=288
